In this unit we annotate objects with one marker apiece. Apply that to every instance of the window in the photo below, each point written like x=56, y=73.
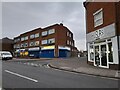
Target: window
x=44, y=33
x=44, y=41
x=22, y=39
x=37, y=35
x=51, y=31
x=25, y=44
x=26, y=38
x=32, y=36
x=70, y=35
x=18, y=46
x=51, y=41
x=68, y=42
x=36, y=43
x=32, y=43
x=67, y=33
x=22, y=45
x=98, y=18
x=91, y=52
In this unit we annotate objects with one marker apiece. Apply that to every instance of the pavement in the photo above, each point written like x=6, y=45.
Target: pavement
x=79, y=65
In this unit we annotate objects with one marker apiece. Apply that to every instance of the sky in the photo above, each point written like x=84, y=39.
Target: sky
x=20, y=17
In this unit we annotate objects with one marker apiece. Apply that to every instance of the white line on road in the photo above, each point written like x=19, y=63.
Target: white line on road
x=21, y=76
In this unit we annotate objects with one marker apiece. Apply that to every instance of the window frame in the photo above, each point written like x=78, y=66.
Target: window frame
x=98, y=19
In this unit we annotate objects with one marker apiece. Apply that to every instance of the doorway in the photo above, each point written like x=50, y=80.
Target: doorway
x=101, y=55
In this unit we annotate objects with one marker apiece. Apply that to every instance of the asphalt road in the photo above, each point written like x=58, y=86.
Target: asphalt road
x=38, y=75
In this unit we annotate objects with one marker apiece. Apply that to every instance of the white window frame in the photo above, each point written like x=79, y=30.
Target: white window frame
x=26, y=38
x=68, y=42
x=44, y=33
x=44, y=42
x=22, y=45
x=31, y=43
x=25, y=44
x=22, y=38
x=51, y=31
x=51, y=41
x=37, y=43
x=98, y=19
x=32, y=36
x=67, y=33
x=37, y=35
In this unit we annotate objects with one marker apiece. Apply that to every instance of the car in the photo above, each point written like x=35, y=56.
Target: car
x=5, y=55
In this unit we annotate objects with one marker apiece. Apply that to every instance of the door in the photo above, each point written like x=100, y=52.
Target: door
x=101, y=57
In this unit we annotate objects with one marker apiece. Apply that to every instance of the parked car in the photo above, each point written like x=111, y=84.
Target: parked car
x=5, y=55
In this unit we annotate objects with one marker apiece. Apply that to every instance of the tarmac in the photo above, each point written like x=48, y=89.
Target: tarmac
x=79, y=65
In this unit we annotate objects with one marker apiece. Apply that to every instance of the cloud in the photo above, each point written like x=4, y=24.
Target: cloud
x=19, y=17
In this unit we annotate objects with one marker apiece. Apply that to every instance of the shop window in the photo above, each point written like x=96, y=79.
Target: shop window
x=51, y=41
x=32, y=36
x=37, y=35
x=98, y=18
x=36, y=43
x=44, y=33
x=26, y=38
x=51, y=31
x=44, y=42
x=32, y=43
x=91, y=52
x=110, y=52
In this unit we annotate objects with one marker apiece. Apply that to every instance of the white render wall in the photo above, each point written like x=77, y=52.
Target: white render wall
x=115, y=50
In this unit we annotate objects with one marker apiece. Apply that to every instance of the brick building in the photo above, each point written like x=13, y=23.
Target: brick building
x=6, y=44
x=52, y=41
x=103, y=33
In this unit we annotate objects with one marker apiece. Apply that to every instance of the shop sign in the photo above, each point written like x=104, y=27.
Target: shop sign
x=33, y=49
x=48, y=47
x=102, y=33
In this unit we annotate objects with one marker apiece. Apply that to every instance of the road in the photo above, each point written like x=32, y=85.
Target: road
x=38, y=75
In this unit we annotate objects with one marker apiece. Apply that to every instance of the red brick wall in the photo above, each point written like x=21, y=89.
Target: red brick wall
x=108, y=14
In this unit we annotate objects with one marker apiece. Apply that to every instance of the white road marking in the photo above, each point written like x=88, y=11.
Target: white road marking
x=21, y=76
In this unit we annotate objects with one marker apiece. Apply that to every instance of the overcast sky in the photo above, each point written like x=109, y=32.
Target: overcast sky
x=20, y=17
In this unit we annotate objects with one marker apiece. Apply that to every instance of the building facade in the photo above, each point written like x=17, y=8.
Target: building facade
x=49, y=42
x=6, y=44
x=103, y=34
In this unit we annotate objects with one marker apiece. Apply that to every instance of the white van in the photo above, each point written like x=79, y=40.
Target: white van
x=5, y=55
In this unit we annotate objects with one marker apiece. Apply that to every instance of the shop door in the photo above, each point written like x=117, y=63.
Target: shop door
x=101, y=57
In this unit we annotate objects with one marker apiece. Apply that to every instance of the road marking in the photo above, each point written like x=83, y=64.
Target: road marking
x=21, y=76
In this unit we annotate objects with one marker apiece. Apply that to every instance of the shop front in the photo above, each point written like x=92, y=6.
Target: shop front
x=102, y=48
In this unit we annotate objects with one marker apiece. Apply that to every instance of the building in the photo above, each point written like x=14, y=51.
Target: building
x=49, y=42
x=6, y=44
x=103, y=34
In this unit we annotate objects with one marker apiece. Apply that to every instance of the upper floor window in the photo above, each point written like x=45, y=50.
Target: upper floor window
x=67, y=33
x=22, y=39
x=68, y=42
x=51, y=31
x=26, y=38
x=98, y=18
x=44, y=42
x=36, y=43
x=44, y=33
x=22, y=45
x=32, y=43
x=32, y=36
x=25, y=44
x=37, y=35
x=51, y=41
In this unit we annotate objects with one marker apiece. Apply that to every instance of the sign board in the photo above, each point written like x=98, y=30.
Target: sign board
x=105, y=32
